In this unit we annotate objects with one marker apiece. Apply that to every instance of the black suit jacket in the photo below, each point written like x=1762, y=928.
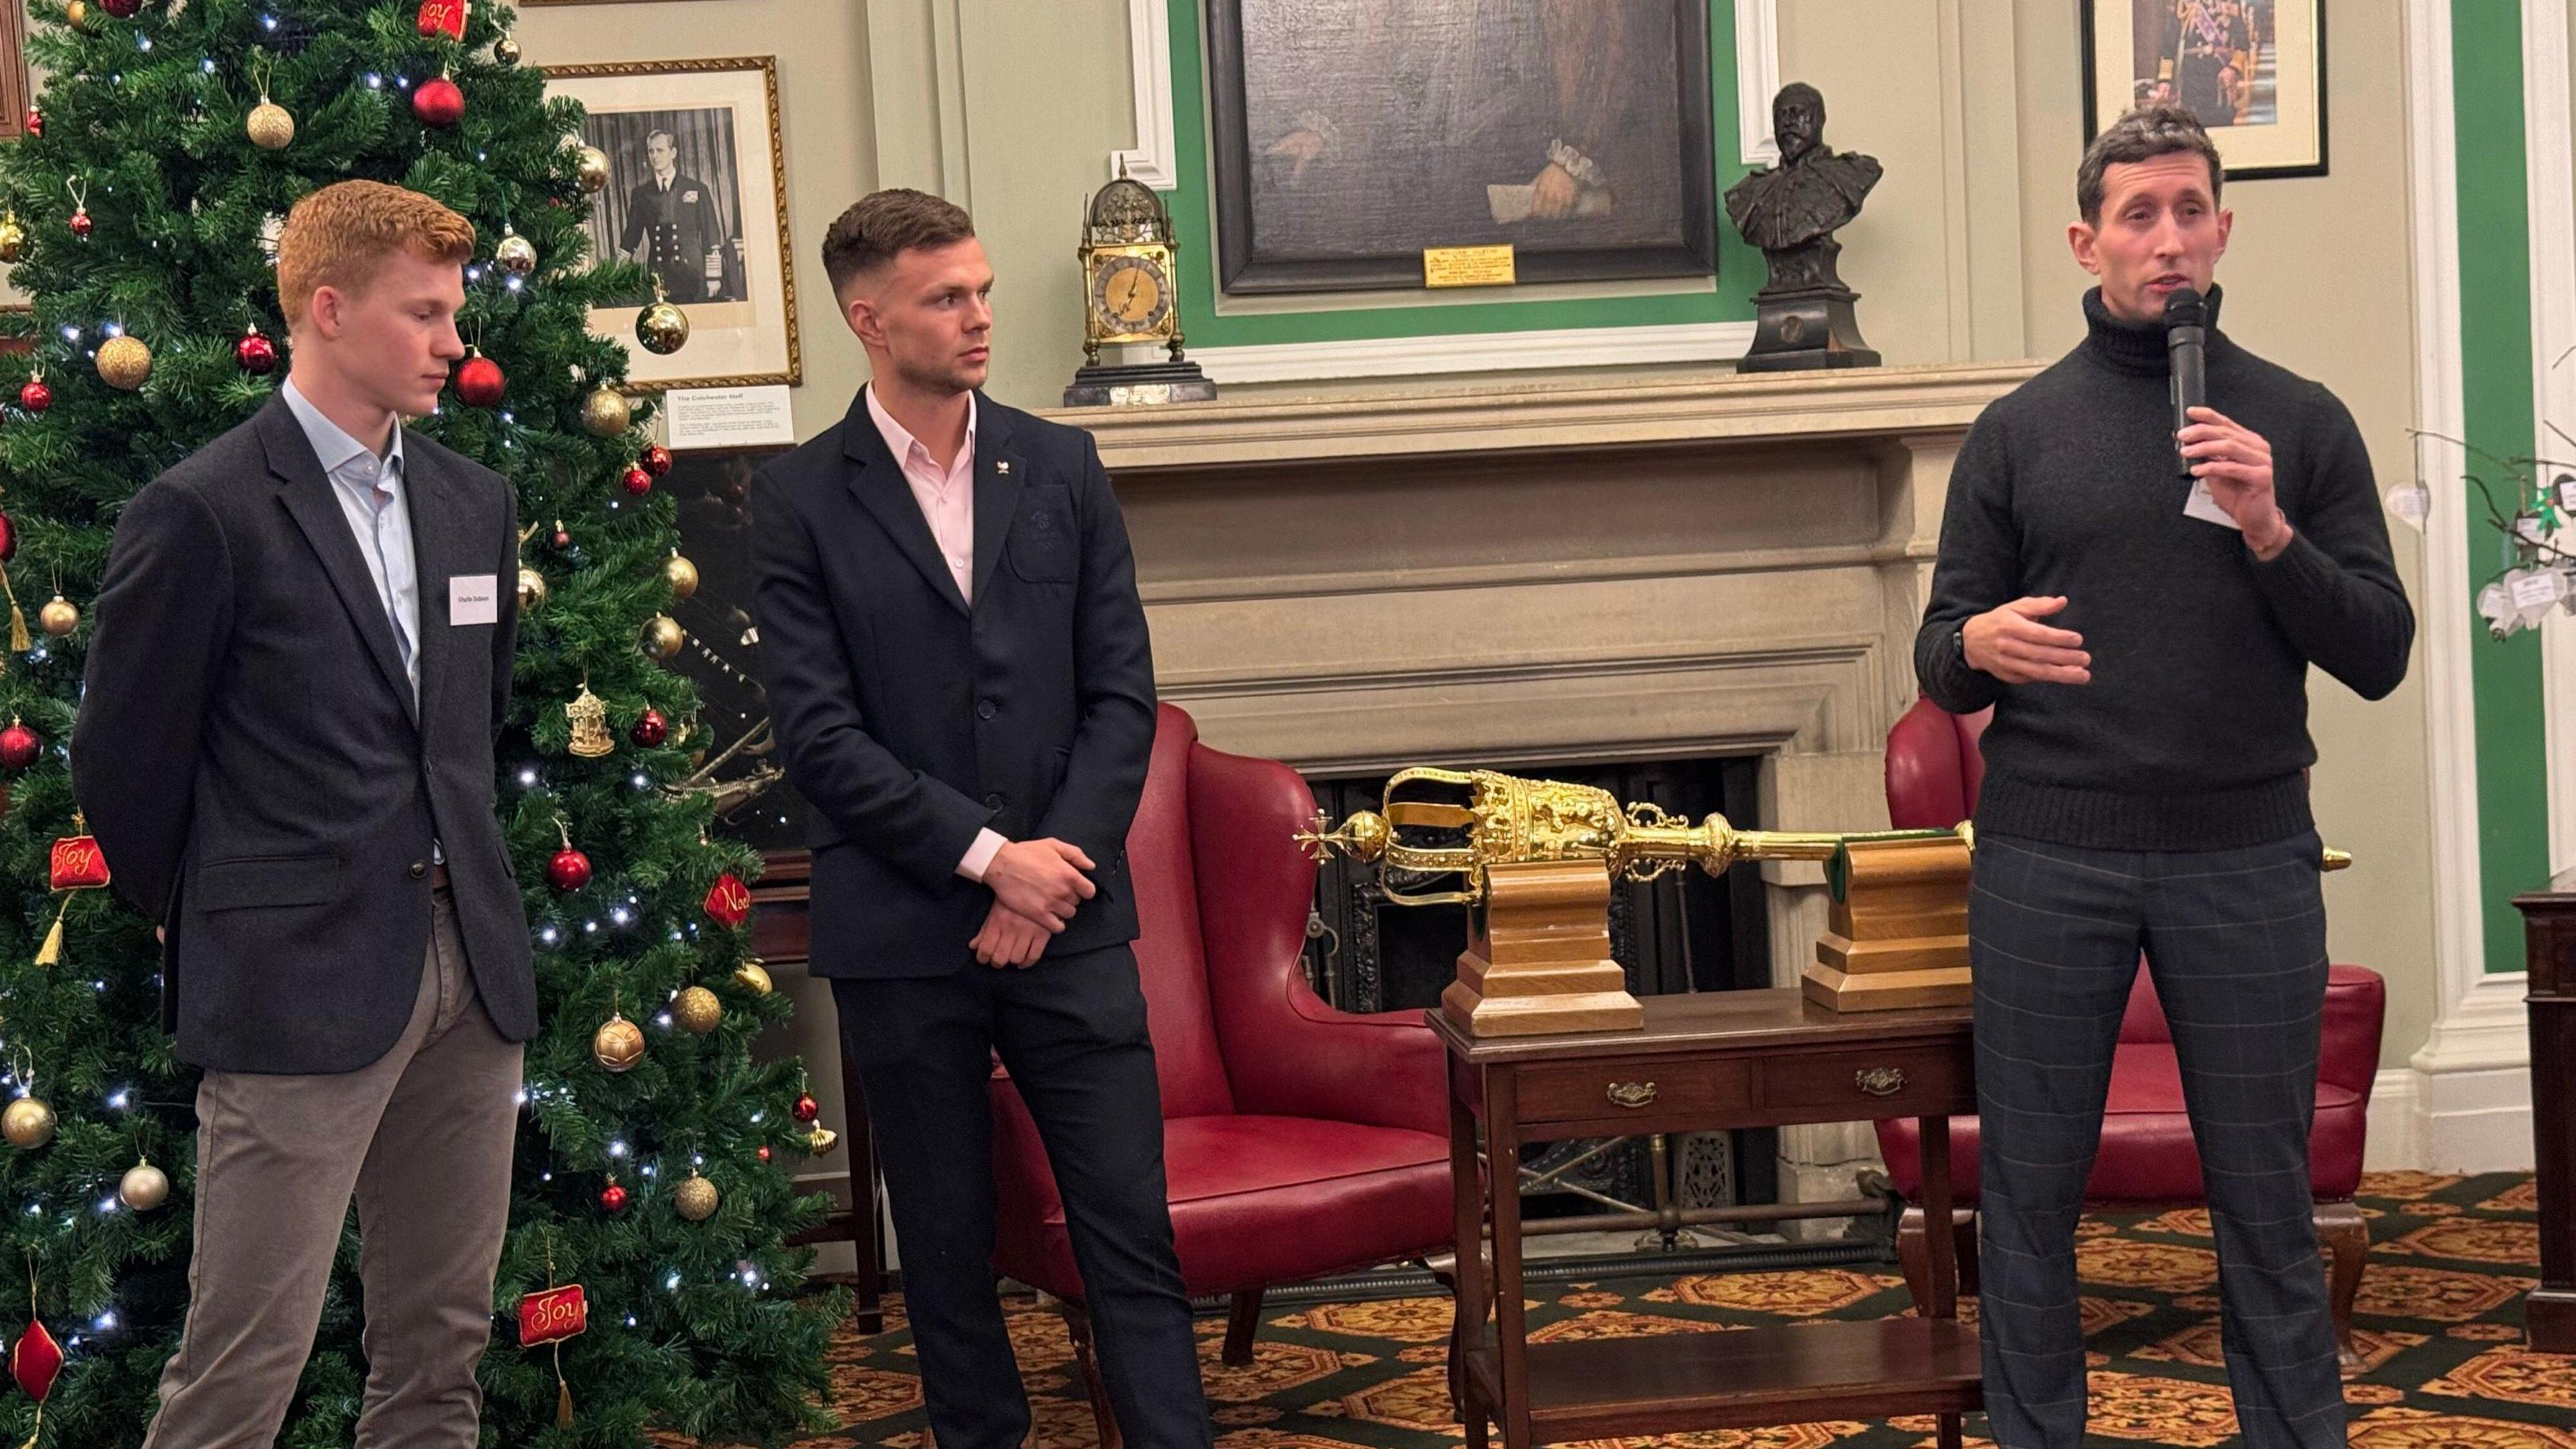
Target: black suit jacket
x=911, y=722
x=254, y=767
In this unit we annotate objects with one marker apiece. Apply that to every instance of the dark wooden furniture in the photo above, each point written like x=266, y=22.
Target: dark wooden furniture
x=1733, y=1059
x=2549, y=936
x=779, y=921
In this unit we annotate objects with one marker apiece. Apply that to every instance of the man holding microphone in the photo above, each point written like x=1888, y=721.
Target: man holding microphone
x=2140, y=606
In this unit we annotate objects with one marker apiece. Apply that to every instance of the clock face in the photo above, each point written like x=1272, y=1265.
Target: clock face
x=1131, y=295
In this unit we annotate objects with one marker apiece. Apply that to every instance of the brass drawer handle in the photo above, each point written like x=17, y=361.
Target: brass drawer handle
x=1631, y=1094
x=1880, y=1081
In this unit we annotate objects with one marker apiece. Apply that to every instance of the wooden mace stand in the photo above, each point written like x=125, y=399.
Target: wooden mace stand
x=1538, y=955
x=1897, y=935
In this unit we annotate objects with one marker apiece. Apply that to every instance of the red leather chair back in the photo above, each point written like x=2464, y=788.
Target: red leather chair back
x=1170, y=959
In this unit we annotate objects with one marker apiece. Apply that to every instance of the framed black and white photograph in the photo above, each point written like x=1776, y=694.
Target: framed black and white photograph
x=696, y=195
x=1351, y=135
x=2253, y=71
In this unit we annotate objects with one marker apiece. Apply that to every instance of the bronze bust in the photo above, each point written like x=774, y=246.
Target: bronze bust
x=1791, y=211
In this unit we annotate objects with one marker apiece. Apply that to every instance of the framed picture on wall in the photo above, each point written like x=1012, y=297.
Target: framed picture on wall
x=2254, y=71
x=697, y=192
x=1351, y=135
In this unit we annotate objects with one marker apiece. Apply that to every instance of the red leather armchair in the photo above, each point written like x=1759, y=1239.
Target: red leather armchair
x=1298, y=1141
x=2147, y=1159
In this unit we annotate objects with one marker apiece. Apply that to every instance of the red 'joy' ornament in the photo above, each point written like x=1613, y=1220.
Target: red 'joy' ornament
x=479, y=382
x=35, y=397
x=651, y=730
x=19, y=746
x=807, y=1109
x=8, y=538
x=442, y=17
x=729, y=900
x=612, y=1199
x=637, y=482
x=438, y=102
x=568, y=870
x=256, y=354
x=656, y=460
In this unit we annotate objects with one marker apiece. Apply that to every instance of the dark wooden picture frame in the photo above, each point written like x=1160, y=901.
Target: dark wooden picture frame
x=1247, y=267
x=17, y=89
x=2288, y=50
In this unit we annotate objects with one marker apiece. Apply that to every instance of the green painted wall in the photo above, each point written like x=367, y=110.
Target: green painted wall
x=1739, y=266
x=2495, y=373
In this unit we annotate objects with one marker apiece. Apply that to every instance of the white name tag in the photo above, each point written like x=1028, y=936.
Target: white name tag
x=473, y=599
x=2204, y=507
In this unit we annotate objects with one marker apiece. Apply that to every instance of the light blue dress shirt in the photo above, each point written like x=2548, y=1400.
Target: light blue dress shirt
x=370, y=490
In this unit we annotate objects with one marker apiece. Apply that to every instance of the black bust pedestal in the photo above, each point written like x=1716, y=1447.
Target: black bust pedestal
x=1803, y=320
x=1137, y=383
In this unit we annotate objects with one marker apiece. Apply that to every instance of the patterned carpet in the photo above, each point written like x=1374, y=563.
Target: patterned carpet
x=2440, y=1324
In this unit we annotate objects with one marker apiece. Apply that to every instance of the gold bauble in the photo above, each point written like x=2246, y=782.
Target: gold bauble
x=59, y=616
x=605, y=412
x=144, y=1187
x=124, y=362
x=696, y=1199
x=618, y=1044
x=590, y=166
x=821, y=1140
x=753, y=977
x=516, y=254
x=698, y=1010
x=13, y=238
x=662, y=328
x=682, y=574
x=664, y=636
x=28, y=1123
x=76, y=15
x=271, y=128
x=532, y=590
x=506, y=50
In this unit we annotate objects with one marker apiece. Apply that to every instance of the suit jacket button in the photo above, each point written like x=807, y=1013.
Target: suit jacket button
x=994, y=799
x=419, y=868
x=985, y=710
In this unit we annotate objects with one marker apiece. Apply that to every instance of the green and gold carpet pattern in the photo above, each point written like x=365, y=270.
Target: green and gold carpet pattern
x=2439, y=1323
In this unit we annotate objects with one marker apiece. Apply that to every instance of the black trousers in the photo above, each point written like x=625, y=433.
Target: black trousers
x=1071, y=1030
x=2237, y=942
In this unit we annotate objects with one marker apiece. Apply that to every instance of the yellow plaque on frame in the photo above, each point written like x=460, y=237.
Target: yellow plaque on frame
x=1468, y=266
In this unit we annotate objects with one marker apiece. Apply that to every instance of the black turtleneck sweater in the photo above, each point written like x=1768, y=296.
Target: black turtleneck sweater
x=2193, y=732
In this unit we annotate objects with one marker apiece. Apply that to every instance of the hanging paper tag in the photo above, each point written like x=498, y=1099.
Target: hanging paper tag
x=77, y=864
x=552, y=1316
x=443, y=17
x=2537, y=590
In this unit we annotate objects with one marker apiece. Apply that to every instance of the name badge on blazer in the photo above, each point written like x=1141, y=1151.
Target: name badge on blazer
x=473, y=599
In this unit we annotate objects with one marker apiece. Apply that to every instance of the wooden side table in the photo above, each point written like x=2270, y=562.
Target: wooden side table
x=2549, y=939
x=1702, y=1062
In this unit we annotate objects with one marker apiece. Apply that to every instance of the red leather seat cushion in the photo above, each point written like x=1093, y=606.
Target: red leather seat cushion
x=1248, y=1192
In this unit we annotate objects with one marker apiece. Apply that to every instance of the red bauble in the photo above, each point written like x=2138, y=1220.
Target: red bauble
x=8, y=538
x=656, y=460
x=80, y=222
x=764, y=1152
x=35, y=123
x=729, y=900
x=569, y=870
x=651, y=730
x=807, y=1109
x=35, y=397
x=121, y=9
x=562, y=539
x=637, y=482
x=438, y=102
x=479, y=382
x=612, y=1198
x=256, y=354
x=19, y=746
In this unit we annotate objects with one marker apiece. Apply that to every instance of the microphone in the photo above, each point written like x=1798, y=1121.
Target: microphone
x=2186, y=332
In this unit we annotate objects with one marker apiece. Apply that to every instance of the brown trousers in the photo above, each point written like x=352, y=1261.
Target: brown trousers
x=423, y=1138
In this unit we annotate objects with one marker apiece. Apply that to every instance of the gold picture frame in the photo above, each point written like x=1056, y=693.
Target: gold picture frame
x=705, y=209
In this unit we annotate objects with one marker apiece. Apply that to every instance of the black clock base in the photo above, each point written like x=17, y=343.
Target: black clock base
x=1138, y=383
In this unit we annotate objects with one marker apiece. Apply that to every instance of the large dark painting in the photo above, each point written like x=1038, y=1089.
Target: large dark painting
x=737, y=761
x=1352, y=134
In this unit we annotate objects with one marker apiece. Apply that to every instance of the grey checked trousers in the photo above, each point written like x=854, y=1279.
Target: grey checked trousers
x=2236, y=940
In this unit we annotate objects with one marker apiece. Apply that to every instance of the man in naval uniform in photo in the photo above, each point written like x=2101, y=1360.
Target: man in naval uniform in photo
x=672, y=226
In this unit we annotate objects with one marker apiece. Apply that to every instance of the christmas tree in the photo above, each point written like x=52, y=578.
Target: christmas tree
x=655, y=1157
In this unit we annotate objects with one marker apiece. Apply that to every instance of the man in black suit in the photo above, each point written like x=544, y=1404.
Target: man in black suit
x=285, y=747
x=962, y=688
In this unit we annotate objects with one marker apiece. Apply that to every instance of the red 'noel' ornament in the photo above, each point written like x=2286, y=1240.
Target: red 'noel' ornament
x=35, y=397
x=569, y=870
x=35, y=1359
x=479, y=382
x=638, y=482
x=557, y=1313
x=443, y=17
x=19, y=746
x=613, y=1198
x=656, y=460
x=807, y=1109
x=651, y=730
x=729, y=900
x=438, y=102
x=256, y=354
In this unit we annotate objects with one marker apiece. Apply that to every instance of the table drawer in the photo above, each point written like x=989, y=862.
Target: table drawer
x=1641, y=1087
x=1909, y=1081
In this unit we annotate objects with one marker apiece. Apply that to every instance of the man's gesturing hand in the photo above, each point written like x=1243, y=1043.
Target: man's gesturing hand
x=1009, y=939
x=2012, y=645
x=1041, y=879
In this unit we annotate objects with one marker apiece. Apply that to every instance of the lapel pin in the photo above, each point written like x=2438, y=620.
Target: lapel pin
x=1002, y=466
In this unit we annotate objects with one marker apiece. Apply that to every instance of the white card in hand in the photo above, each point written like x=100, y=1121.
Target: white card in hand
x=2202, y=506
x=473, y=599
